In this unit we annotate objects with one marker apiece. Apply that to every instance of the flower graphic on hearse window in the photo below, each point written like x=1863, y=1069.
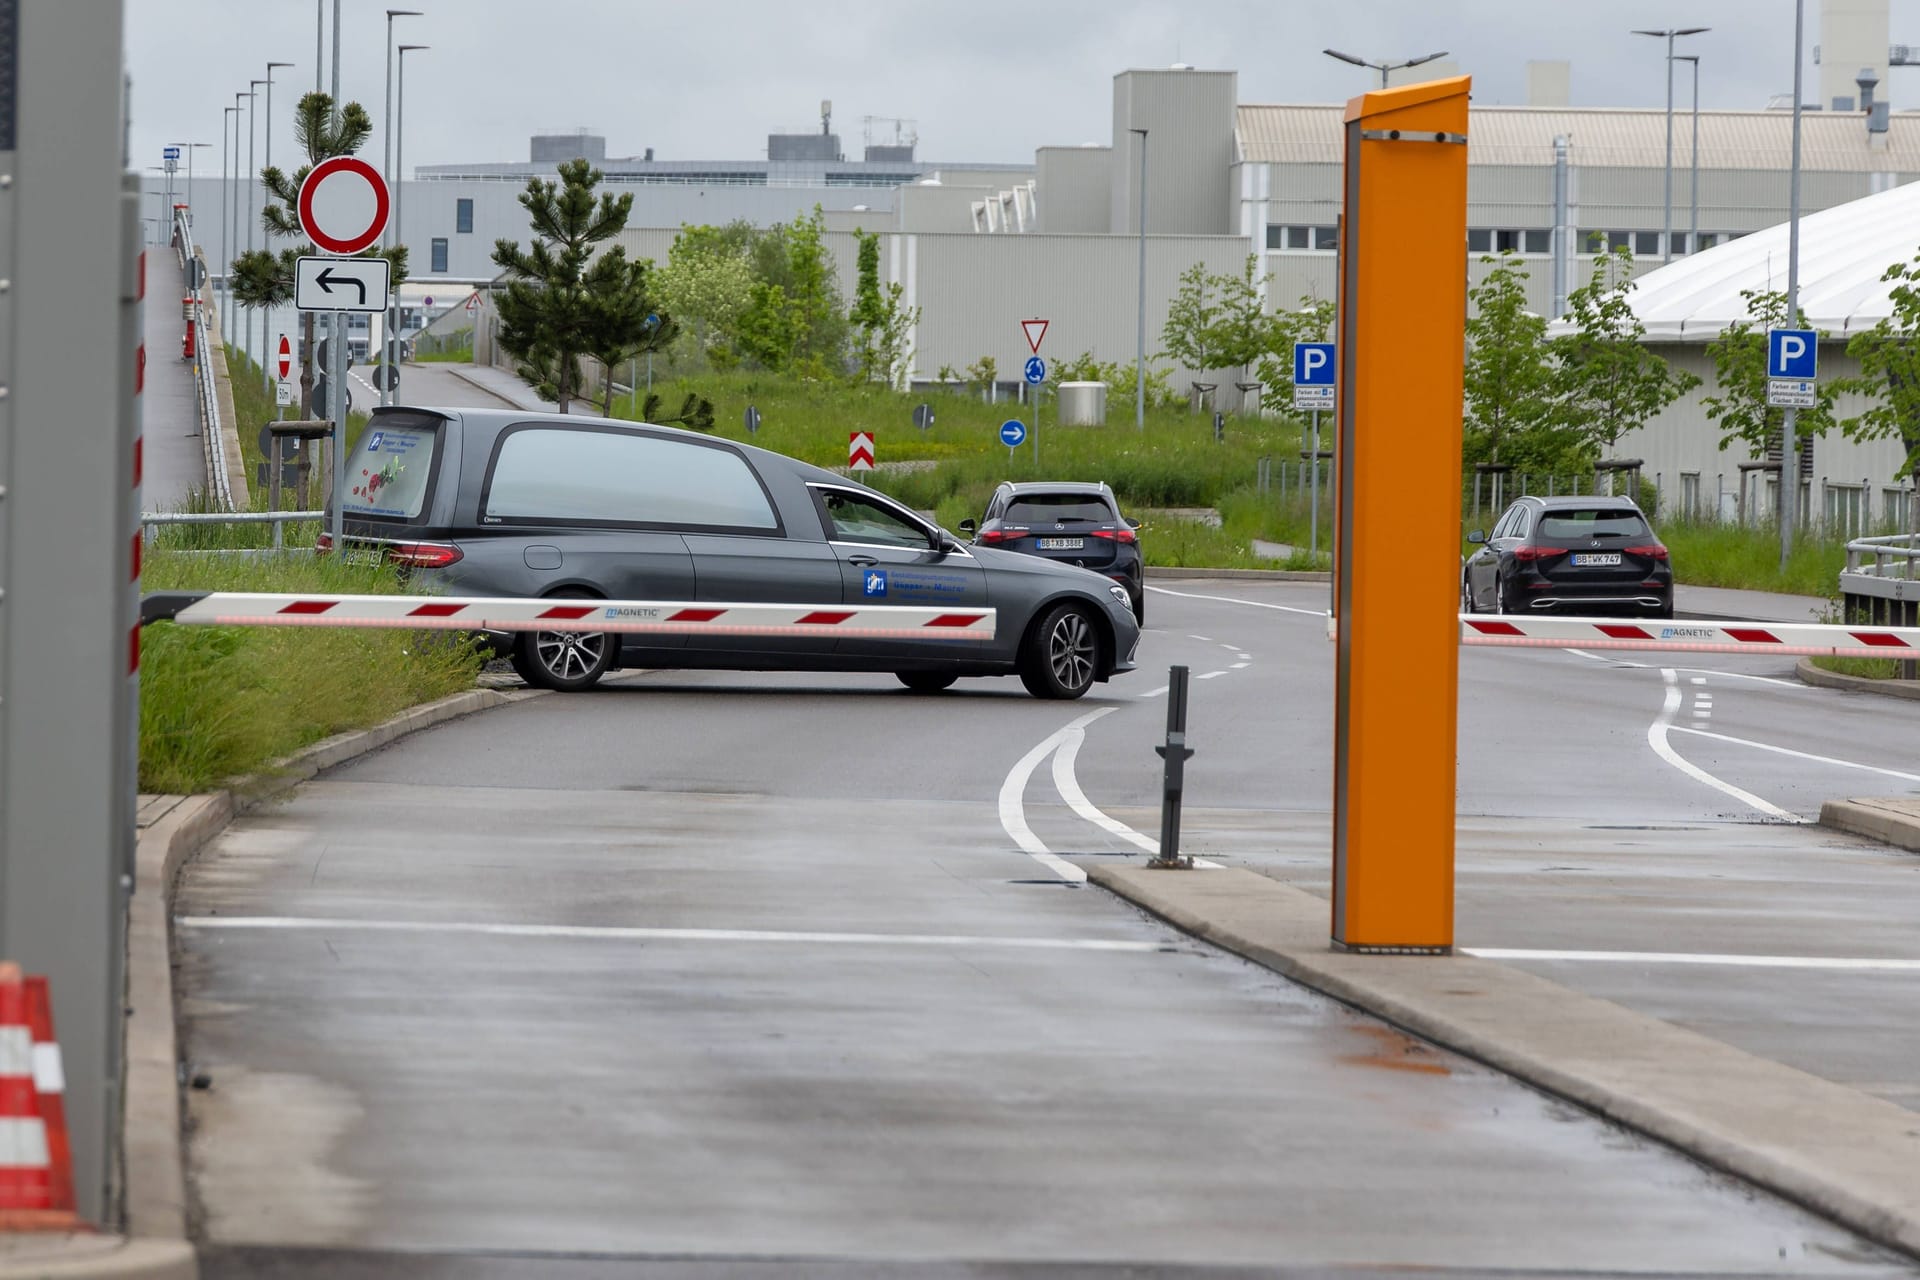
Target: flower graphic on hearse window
x=371, y=482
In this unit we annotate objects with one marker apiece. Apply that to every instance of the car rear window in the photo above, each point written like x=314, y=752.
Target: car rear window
x=390, y=472
x=1057, y=508
x=1592, y=522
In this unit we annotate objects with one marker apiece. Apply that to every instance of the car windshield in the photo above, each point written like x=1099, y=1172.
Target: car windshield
x=1593, y=522
x=1057, y=508
x=388, y=473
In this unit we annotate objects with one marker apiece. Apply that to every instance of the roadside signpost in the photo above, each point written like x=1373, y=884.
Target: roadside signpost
x=1036, y=332
x=923, y=416
x=1313, y=383
x=1793, y=369
x=751, y=419
x=344, y=204
x=283, y=359
x=860, y=451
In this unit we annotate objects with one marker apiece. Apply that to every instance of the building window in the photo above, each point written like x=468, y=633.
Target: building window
x=1690, y=495
x=1323, y=239
x=1539, y=242
x=1479, y=240
x=439, y=255
x=1276, y=236
x=1508, y=240
x=1893, y=508
x=1327, y=239
x=463, y=215
x=1646, y=243
x=1844, y=512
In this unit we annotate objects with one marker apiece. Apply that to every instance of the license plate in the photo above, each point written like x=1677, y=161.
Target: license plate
x=1064, y=544
x=1596, y=557
x=363, y=555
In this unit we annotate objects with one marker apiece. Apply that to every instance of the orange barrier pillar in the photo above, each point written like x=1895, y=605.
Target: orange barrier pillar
x=1403, y=291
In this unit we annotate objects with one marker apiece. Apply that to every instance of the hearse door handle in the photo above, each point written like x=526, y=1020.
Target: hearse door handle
x=863, y=562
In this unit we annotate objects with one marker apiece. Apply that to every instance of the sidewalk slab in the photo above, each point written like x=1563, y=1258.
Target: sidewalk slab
x=1835, y=1150
x=504, y=384
x=1894, y=820
x=95, y=1257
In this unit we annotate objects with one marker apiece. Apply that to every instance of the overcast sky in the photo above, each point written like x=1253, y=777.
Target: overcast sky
x=983, y=80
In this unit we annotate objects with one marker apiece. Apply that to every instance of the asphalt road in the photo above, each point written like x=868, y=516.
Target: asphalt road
x=753, y=974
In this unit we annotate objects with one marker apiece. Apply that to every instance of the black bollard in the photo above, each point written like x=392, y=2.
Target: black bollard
x=1176, y=753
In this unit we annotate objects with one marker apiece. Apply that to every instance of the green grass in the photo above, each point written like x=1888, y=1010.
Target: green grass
x=253, y=407
x=453, y=355
x=1727, y=555
x=1866, y=668
x=220, y=702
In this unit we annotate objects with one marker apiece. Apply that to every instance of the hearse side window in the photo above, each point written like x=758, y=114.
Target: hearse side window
x=583, y=474
x=390, y=470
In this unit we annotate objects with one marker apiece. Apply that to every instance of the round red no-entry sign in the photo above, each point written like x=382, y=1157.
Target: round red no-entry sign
x=285, y=356
x=344, y=204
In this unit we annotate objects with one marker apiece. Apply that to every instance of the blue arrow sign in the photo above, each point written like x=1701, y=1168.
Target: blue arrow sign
x=170, y=153
x=1313, y=364
x=1013, y=433
x=1036, y=370
x=1793, y=353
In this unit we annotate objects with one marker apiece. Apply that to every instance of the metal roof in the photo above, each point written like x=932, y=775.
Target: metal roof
x=1610, y=138
x=1843, y=253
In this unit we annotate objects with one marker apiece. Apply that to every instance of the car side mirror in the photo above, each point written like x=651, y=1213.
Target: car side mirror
x=968, y=527
x=1478, y=535
x=1131, y=523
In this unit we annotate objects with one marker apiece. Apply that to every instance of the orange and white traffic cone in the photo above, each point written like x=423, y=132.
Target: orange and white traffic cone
x=50, y=1086
x=29, y=1200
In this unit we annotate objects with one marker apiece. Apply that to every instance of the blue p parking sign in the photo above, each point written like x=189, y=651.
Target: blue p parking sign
x=1313, y=364
x=1793, y=353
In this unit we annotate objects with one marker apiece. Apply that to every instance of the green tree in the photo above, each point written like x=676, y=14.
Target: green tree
x=548, y=306
x=1606, y=382
x=1740, y=373
x=263, y=277
x=882, y=322
x=708, y=284
x=1508, y=373
x=622, y=318
x=795, y=320
x=1193, y=319
x=1889, y=356
x=1244, y=331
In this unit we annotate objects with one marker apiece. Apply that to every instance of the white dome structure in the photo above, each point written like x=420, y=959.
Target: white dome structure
x=1843, y=253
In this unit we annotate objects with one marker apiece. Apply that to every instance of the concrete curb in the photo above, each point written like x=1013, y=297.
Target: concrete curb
x=1843, y=1154
x=1813, y=675
x=1890, y=822
x=156, y=1194
x=511, y=403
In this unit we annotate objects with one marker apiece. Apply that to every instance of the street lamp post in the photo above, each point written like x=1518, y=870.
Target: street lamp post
x=253, y=181
x=1140, y=334
x=1669, y=35
x=1789, y=432
x=266, y=379
x=392, y=348
x=1384, y=67
x=1693, y=193
x=226, y=261
x=234, y=196
x=400, y=151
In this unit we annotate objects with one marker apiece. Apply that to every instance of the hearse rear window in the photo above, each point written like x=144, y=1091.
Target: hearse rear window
x=389, y=472
x=594, y=476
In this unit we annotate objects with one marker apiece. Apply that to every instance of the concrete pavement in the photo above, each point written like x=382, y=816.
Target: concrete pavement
x=503, y=384
x=174, y=463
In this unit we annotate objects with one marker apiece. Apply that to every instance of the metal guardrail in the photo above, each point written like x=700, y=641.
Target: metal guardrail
x=228, y=517
x=212, y=437
x=1898, y=551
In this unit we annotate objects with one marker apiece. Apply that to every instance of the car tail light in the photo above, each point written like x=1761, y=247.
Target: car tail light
x=323, y=544
x=1122, y=534
x=423, y=555
x=993, y=536
x=1654, y=552
x=1527, y=555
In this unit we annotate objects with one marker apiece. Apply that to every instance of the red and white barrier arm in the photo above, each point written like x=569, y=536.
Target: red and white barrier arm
x=657, y=617
x=1806, y=639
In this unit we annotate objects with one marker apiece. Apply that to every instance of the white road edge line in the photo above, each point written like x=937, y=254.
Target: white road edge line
x=1668, y=957
x=1254, y=604
x=1657, y=739
x=1013, y=805
x=1798, y=755
x=1068, y=783
x=639, y=934
x=1711, y=671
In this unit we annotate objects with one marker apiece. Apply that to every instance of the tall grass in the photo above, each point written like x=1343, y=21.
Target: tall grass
x=1729, y=555
x=219, y=702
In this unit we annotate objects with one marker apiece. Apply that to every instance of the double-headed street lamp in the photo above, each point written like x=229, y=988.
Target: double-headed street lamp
x=1669, y=35
x=1383, y=67
x=386, y=164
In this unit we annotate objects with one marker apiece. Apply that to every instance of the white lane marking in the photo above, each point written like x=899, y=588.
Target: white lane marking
x=1205, y=639
x=1711, y=671
x=1154, y=693
x=1230, y=647
x=1698, y=679
x=1657, y=739
x=1013, y=803
x=636, y=934
x=1210, y=675
x=1068, y=782
x=1698, y=714
x=1254, y=604
x=1798, y=755
x=1244, y=657
x=1239, y=666
x=1670, y=957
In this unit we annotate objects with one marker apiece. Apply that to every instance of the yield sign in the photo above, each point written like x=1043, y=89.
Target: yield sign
x=285, y=359
x=344, y=204
x=860, y=451
x=1035, y=331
